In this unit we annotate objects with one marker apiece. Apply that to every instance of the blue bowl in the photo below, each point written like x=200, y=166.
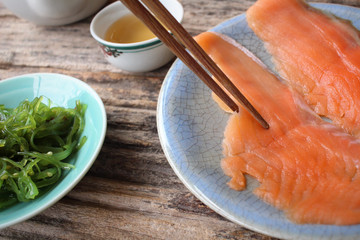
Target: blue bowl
x=63, y=91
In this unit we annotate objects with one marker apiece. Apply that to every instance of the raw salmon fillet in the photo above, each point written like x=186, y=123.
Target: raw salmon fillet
x=307, y=167
x=319, y=54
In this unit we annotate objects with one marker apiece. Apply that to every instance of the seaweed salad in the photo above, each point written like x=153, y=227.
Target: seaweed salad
x=35, y=139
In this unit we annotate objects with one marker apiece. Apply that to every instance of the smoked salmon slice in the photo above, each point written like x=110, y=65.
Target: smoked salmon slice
x=307, y=167
x=317, y=53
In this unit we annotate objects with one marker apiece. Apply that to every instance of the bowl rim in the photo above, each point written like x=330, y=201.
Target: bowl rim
x=128, y=46
x=84, y=170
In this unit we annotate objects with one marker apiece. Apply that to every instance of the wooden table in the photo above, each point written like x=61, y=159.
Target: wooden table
x=130, y=192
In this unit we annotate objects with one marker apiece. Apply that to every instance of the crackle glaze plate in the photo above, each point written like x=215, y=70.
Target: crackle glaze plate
x=191, y=127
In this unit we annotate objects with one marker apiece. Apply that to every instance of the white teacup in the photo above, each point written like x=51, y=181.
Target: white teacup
x=132, y=57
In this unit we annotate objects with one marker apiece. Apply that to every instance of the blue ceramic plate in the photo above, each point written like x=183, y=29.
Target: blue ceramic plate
x=191, y=130
x=63, y=91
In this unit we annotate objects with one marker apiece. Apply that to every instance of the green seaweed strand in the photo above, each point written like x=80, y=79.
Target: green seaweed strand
x=35, y=141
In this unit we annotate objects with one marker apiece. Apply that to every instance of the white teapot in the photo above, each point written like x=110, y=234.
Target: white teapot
x=53, y=12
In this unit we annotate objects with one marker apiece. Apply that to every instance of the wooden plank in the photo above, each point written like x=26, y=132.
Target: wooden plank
x=131, y=192
x=119, y=210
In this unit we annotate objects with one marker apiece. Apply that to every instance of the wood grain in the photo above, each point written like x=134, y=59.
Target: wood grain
x=131, y=192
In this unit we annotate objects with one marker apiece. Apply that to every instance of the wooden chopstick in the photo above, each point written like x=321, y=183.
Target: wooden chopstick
x=179, y=50
x=140, y=11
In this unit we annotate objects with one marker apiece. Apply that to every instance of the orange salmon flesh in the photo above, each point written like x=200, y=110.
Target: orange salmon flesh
x=317, y=53
x=306, y=167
